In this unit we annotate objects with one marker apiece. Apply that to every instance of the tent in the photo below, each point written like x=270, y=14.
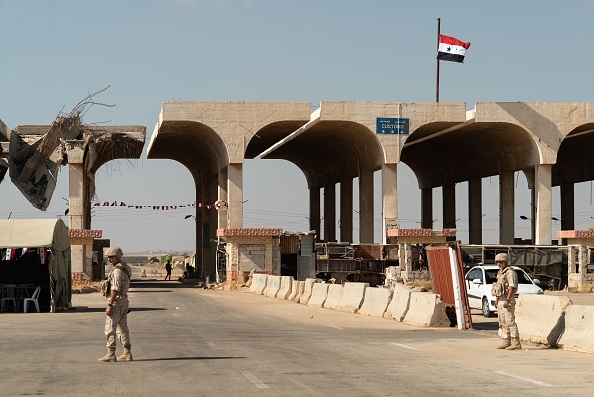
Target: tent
x=37, y=251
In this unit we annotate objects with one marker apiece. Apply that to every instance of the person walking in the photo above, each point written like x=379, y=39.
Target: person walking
x=504, y=291
x=116, y=323
x=168, y=269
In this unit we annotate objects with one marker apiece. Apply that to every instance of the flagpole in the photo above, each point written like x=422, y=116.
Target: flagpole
x=437, y=81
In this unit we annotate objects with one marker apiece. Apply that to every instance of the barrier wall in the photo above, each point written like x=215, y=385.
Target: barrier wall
x=300, y=289
x=319, y=292
x=285, y=287
x=273, y=287
x=426, y=310
x=398, y=306
x=307, y=289
x=294, y=287
x=540, y=318
x=579, y=329
x=376, y=301
x=258, y=283
x=352, y=297
x=334, y=296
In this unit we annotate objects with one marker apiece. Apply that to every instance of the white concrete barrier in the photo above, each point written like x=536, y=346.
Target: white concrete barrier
x=579, y=329
x=334, y=296
x=540, y=318
x=426, y=310
x=258, y=284
x=399, y=304
x=268, y=278
x=307, y=289
x=285, y=287
x=376, y=301
x=274, y=286
x=300, y=289
x=294, y=288
x=319, y=293
x=352, y=297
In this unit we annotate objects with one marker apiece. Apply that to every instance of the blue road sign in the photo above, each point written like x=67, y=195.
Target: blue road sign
x=388, y=125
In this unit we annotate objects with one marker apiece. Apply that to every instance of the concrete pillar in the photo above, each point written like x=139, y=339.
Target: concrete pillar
x=222, y=195
x=366, y=207
x=567, y=207
x=210, y=243
x=76, y=196
x=506, y=207
x=427, y=208
x=314, y=211
x=346, y=210
x=198, y=226
x=389, y=198
x=330, y=212
x=205, y=230
x=76, y=217
x=235, y=195
x=475, y=211
x=544, y=206
x=449, y=205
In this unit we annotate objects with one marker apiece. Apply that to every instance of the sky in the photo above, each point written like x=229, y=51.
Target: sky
x=56, y=52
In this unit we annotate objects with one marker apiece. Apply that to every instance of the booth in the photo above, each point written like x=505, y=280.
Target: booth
x=36, y=252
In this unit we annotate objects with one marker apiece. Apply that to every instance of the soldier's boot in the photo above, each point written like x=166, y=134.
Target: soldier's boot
x=505, y=344
x=110, y=357
x=127, y=355
x=515, y=344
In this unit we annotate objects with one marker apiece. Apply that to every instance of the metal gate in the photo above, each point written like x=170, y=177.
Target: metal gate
x=440, y=268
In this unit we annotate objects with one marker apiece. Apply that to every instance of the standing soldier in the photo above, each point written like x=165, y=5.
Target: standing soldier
x=505, y=292
x=118, y=283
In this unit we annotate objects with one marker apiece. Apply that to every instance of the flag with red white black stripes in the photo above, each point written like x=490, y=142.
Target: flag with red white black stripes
x=451, y=49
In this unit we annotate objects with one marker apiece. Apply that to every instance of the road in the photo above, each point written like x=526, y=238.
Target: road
x=189, y=341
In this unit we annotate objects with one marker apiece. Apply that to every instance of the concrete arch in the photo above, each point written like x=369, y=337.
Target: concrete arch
x=192, y=143
x=460, y=154
x=575, y=162
x=331, y=151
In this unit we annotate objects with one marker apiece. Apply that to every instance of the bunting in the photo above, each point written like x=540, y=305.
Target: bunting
x=217, y=205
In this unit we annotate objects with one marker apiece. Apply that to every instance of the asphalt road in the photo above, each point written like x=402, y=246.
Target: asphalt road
x=189, y=341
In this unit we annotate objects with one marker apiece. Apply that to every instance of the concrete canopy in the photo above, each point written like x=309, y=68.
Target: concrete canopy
x=332, y=151
x=117, y=142
x=469, y=150
x=193, y=144
x=575, y=162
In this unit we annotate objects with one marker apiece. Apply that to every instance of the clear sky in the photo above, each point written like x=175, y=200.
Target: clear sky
x=55, y=52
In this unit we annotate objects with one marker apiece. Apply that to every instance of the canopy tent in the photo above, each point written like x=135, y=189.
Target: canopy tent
x=40, y=233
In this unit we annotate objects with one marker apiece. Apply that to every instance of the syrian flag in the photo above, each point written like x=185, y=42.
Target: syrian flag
x=451, y=49
x=10, y=254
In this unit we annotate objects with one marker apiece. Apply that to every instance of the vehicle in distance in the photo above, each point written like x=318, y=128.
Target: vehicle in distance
x=479, y=280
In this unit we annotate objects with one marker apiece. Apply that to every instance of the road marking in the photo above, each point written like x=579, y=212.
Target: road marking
x=175, y=315
x=255, y=381
x=536, y=382
x=404, y=346
x=335, y=326
x=212, y=345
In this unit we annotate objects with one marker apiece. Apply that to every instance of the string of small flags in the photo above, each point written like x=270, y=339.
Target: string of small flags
x=217, y=205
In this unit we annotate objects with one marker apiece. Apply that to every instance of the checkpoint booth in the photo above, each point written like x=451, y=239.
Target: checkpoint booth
x=36, y=253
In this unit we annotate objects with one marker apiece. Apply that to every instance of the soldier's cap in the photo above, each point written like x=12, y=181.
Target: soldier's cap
x=501, y=257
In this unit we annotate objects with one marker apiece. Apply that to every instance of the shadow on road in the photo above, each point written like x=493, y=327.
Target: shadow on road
x=102, y=310
x=187, y=358
x=152, y=283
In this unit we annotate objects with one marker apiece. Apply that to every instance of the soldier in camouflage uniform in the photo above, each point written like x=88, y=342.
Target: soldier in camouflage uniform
x=116, y=323
x=505, y=292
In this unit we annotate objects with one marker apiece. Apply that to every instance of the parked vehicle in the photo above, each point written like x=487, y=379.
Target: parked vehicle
x=479, y=280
